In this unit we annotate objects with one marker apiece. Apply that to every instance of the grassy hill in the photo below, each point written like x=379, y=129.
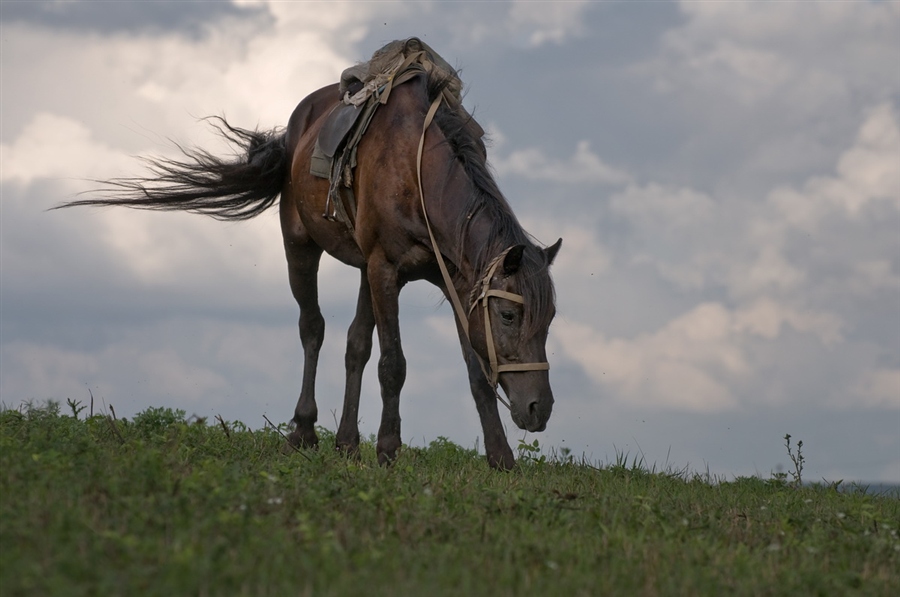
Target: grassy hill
x=160, y=505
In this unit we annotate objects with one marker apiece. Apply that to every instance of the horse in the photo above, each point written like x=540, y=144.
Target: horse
x=426, y=208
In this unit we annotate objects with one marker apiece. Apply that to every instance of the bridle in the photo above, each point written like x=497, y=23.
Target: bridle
x=484, y=295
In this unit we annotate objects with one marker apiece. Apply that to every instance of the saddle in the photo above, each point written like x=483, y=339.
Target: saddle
x=363, y=89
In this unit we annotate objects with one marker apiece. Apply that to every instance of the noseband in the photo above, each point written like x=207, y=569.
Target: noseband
x=485, y=293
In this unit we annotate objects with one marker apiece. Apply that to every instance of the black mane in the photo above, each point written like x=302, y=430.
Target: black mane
x=505, y=231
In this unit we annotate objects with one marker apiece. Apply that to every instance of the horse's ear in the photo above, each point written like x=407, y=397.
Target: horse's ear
x=513, y=260
x=551, y=251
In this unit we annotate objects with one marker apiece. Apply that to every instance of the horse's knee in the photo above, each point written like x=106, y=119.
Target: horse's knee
x=359, y=349
x=392, y=371
x=312, y=330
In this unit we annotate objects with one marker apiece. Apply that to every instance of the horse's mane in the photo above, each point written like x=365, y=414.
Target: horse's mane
x=505, y=231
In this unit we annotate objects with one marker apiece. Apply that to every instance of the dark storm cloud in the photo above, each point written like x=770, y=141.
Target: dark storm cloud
x=103, y=16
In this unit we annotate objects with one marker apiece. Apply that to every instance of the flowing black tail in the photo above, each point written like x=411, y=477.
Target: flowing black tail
x=239, y=189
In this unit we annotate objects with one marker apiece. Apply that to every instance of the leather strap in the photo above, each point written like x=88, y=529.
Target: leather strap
x=486, y=292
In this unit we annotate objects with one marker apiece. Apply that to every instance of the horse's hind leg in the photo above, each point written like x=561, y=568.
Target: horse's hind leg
x=303, y=257
x=359, y=349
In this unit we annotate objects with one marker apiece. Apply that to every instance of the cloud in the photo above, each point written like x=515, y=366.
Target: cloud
x=655, y=205
x=866, y=173
x=697, y=361
x=755, y=52
x=667, y=368
x=521, y=24
x=207, y=368
x=547, y=22
x=583, y=167
x=877, y=388
x=253, y=69
x=56, y=147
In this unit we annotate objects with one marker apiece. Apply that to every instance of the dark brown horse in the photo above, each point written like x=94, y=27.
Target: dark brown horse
x=487, y=253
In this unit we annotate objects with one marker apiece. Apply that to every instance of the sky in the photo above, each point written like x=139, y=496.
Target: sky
x=725, y=176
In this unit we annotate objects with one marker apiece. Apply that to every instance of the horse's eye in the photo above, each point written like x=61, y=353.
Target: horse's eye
x=508, y=316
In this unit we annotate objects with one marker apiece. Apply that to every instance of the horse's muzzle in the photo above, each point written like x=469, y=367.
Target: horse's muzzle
x=533, y=415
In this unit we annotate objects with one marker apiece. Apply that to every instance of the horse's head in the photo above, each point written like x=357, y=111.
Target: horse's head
x=511, y=312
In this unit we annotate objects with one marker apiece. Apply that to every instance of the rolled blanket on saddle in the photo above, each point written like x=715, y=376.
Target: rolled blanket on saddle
x=359, y=82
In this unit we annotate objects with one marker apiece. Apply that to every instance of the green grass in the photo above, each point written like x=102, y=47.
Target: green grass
x=160, y=505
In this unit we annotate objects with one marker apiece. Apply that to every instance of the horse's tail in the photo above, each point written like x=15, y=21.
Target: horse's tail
x=226, y=189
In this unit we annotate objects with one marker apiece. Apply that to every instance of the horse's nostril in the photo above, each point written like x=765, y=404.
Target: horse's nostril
x=532, y=408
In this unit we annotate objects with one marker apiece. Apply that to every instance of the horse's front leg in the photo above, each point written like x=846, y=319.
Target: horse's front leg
x=385, y=285
x=359, y=349
x=496, y=446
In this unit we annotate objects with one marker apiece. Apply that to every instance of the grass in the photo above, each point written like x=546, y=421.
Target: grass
x=161, y=505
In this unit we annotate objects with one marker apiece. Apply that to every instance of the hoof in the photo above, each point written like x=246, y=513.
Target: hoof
x=301, y=439
x=347, y=444
x=387, y=451
x=350, y=450
x=502, y=461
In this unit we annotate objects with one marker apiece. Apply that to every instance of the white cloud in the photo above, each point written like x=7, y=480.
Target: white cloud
x=667, y=368
x=655, y=205
x=583, y=167
x=696, y=361
x=766, y=318
x=767, y=272
x=866, y=173
x=56, y=147
x=254, y=70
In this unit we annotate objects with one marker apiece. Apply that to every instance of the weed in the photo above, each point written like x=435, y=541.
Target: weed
x=76, y=406
x=797, y=459
x=530, y=452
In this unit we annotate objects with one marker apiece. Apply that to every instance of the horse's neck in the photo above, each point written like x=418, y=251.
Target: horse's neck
x=470, y=252
x=465, y=251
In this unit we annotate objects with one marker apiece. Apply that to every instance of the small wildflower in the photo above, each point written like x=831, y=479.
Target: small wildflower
x=841, y=515
x=773, y=547
x=274, y=501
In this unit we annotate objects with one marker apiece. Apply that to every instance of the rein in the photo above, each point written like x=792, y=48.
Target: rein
x=486, y=291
